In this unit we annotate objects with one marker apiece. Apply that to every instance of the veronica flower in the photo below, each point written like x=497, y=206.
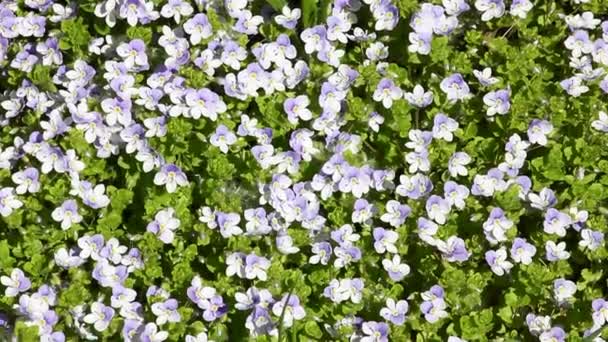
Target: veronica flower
x=171, y=176
x=563, y=290
x=122, y=296
x=497, y=260
x=100, y=316
x=545, y=199
x=176, y=9
x=437, y=209
x=68, y=259
x=600, y=312
x=496, y=226
x=455, y=7
x=574, y=86
x=8, y=201
x=443, y=127
x=485, y=77
x=67, y=214
x=256, y=267
x=134, y=54
x=418, y=161
x=487, y=185
x=228, y=224
x=204, y=102
x=490, y=8
x=166, y=311
x=591, y=239
x=522, y=251
x=198, y=27
x=223, y=138
x=345, y=255
x=455, y=87
x=26, y=181
x=386, y=92
x=322, y=253
x=457, y=164
x=455, y=194
x=376, y=51
x=434, y=310
x=420, y=42
x=288, y=17
x=520, y=8
x=152, y=334
x=555, y=334
x=363, y=212
x=602, y=123
x=289, y=309
x=198, y=293
x=418, y=97
x=355, y=181
x=384, y=240
x=90, y=246
x=95, y=197
x=396, y=213
x=556, y=222
x=108, y=275
x=555, y=252
x=344, y=235
x=214, y=308
x=296, y=108
x=498, y=102
x=17, y=283
x=395, y=312
x=164, y=225
x=396, y=270
x=375, y=332
x=453, y=249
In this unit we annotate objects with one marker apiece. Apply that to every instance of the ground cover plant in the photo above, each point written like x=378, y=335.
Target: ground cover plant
x=316, y=170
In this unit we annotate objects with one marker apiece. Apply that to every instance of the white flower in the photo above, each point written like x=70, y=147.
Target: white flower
x=501, y=264
x=485, y=77
x=100, y=316
x=490, y=8
x=8, y=202
x=418, y=97
x=17, y=282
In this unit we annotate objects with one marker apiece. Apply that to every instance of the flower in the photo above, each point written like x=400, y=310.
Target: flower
x=396, y=270
x=563, y=290
x=455, y=87
x=223, y=138
x=443, y=127
x=395, y=312
x=100, y=316
x=555, y=252
x=17, y=283
x=289, y=309
x=498, y=102
x=171, y=176
x=152, y=334
x=386, y=92
x=453, y=249
x=67, y=214
x=498, y=261
x=490, y=8
x=296, y=108
x=375, y=332
x=198, y=27
x=164, y=225
x=166, y=311
x=556, y=222
x=522, y=251
x=8, y=202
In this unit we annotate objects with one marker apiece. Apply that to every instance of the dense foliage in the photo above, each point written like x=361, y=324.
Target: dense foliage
x=193, y=170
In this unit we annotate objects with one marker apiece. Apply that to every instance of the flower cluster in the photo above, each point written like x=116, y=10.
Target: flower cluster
x=203, y=170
